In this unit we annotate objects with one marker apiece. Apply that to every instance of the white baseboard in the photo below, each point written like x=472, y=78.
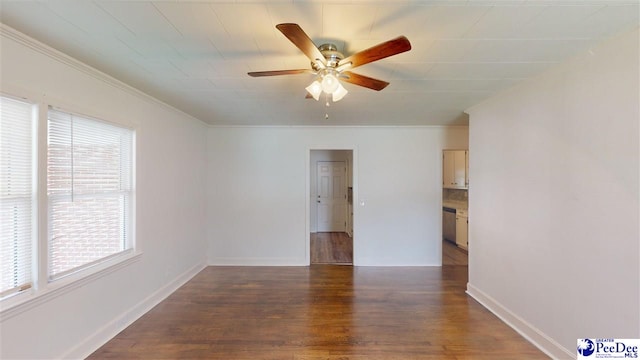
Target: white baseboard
x=528, y=331
x=257, y=262
x=107, y=332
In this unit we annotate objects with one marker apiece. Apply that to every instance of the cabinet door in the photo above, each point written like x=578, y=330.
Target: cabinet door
x=460, y=170
x=461, y=231
x=466, y=171
x=448, y=169
x=455, y=169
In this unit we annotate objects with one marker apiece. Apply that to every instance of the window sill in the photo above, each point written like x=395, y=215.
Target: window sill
x=29, y=299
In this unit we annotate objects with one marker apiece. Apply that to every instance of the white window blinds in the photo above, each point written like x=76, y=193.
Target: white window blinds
x=17, y=206
x=89, y=187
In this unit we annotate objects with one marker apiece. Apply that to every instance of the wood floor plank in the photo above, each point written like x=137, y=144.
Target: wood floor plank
x=331, y=248
x=453, y=255
x=320, y=312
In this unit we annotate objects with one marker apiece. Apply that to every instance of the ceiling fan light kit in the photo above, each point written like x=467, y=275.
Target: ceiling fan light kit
x=315, y=89
x=329, y=82
x=330, y=66
x=339, y=93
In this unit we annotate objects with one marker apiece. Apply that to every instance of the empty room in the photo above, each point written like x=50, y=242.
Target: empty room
x=313, y=180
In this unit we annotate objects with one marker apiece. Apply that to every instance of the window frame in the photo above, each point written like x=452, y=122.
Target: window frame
x=44, y=289
x=34, y=196
x=127, y=240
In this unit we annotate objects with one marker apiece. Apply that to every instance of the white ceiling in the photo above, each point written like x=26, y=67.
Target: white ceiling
x=195, y=55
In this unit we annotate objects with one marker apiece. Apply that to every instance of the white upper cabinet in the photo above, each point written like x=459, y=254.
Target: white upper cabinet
x=455, y=169
x=466, y=169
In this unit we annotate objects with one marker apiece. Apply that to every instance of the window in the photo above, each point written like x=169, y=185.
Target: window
x=84, y=193
x=89, y=189
x=17, y=195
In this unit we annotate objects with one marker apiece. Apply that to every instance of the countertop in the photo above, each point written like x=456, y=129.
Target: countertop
x=456, y=204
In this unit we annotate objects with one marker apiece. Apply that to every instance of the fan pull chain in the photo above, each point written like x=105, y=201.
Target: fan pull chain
x=326, y=98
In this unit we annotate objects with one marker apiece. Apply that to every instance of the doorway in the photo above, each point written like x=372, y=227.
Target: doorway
x=455, y=204
x=331, y=207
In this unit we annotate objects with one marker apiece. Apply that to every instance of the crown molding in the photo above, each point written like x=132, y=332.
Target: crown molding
x=44, y=49
x=399, y=127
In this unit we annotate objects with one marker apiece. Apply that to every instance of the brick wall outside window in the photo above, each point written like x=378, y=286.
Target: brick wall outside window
x=89, y=192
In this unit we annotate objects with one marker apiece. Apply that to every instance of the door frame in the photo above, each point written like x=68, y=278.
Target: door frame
x=354, y=181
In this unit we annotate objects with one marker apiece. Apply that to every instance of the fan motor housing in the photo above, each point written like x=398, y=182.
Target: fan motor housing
x=331, y=54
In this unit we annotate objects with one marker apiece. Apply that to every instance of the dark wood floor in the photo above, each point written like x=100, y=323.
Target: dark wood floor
x=320, y=312
x=331, y=248
x=337, y=248
x=453, y=255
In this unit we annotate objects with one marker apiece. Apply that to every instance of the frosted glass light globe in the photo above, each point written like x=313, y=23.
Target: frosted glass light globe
x=315, y=89
x=329, y=83
x=339, y=93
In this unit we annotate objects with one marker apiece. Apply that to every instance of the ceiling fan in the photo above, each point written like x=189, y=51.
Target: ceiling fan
x=330, y=66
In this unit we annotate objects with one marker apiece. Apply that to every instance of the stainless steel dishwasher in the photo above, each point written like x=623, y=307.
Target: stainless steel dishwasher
x=449, y=224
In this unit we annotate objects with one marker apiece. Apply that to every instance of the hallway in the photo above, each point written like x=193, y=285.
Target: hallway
x=453, y=255
x=331, y=248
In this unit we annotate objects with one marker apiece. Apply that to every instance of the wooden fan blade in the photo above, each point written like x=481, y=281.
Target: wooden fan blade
x=362, y=80
x=299, y=38
x=380, y=51
x=278, y=72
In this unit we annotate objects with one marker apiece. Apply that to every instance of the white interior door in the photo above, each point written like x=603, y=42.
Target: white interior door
x=332, y=199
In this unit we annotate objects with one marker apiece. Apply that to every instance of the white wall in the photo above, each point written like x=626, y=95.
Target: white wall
x=323, y=155
x=553, y=202
x=171, y=150
x=258, y=194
